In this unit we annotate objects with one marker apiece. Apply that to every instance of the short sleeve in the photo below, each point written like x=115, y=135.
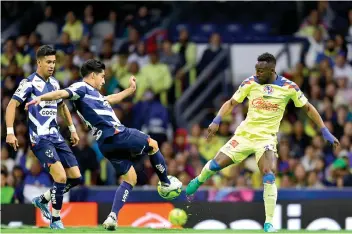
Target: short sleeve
x=76, y=91
x=298, y=97
x=23, y=91
x=243, y=90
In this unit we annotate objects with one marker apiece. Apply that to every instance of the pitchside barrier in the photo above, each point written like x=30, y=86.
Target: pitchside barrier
x=307, y=209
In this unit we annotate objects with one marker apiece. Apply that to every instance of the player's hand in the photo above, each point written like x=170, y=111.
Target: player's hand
x=329, y=137
x=35, y=101
x=133, y=84
x=336, y=143
x=12, y=140
x=74, y=138
x=212, y=129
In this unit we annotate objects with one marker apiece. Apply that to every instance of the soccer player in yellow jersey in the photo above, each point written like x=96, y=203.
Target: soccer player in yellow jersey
x=268, y=95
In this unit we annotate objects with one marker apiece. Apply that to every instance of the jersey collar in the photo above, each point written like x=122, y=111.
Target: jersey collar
x=42, y=78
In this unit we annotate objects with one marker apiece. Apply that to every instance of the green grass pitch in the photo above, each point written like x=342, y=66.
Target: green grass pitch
x=148, y=230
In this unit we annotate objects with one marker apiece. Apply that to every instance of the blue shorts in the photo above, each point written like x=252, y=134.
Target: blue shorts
x=49, y=152
x=122, y=148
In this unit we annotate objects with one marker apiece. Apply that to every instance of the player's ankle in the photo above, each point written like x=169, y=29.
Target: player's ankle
x=55, y=218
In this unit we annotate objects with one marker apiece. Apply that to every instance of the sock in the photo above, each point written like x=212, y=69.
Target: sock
x=208, y=170
x=45, y=197
x=121, y=196
x=270, y=197
x=57, y=195
x=158, y=163
x=70, y=183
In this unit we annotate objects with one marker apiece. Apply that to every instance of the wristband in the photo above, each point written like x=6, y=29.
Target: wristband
x=72, y=128
x=217, y=120
x=10, y=131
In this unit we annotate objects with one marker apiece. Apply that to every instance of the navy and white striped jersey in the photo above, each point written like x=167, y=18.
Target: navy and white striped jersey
x=42, y=119
x=94, y=110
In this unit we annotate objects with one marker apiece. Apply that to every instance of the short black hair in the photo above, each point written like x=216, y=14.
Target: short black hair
x=267, y=57
x=45, y=50
x=92, y=65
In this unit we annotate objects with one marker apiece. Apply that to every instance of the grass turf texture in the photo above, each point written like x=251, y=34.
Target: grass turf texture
x=149, y=230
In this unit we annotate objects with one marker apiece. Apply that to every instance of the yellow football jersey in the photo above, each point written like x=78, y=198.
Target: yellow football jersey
x=267, y=105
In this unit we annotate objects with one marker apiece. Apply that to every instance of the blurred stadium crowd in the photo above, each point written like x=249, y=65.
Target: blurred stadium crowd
x=164, y=69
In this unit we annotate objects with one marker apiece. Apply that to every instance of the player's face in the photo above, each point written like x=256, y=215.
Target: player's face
x=47, y=65
x=264, y=72
x=99, y=79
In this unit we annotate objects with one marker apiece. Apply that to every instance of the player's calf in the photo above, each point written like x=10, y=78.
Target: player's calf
x=158, y=162
x=121, y=196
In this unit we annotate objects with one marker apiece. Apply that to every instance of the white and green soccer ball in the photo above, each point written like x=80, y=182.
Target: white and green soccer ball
x=171, y=195
x=178, y=217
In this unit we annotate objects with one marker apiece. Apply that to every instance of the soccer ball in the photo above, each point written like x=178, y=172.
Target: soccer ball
x=173, y=193
x=178, y=217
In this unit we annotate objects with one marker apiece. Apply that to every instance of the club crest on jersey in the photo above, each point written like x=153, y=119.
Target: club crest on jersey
x=268, y=89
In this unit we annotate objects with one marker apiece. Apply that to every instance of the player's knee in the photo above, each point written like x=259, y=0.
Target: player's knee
x=214, y=166
x=131, y=177
x=268, y=178
x=153, y=144
x=60, y=179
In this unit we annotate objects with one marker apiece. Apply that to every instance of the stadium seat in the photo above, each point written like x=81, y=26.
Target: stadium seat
x=48, y=31
x=260, y=28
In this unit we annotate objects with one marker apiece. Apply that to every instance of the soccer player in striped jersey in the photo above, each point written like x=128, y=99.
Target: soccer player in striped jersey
x=46, y=141
x=118, y=143
x=268, y=95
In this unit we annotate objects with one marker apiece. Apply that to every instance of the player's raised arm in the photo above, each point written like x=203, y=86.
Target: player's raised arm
x=118, y=97
x=56, y=95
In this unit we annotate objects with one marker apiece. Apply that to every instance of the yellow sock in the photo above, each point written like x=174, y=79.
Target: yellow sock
x=206, y=173
x=270, y=197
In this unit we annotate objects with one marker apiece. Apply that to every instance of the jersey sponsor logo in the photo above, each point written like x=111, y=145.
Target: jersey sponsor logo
x=268, y=89
x=261, y=104
x=48, y=112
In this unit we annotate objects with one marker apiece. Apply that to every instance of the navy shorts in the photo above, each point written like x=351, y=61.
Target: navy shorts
x=49, y=152
x=123, y=148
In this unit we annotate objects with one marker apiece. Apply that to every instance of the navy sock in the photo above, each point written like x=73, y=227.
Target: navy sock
x=57, y=195
x=121, y=196
x=70, y=183
x=158, y=163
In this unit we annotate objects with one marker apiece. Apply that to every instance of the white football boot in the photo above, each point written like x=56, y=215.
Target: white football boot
x=111, y=222
x=175, y=184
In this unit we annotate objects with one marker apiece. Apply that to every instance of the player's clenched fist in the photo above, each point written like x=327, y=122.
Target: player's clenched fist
x=133, y=84
x=12, y=140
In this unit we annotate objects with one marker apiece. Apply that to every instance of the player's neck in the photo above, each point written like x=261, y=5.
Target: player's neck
x=273, y=78
x=89, y=81
x=42, y=75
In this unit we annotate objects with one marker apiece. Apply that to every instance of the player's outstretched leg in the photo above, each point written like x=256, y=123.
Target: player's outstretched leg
x=121, y=195
x=220, y=161
x=158, y=162
x=267, y=166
